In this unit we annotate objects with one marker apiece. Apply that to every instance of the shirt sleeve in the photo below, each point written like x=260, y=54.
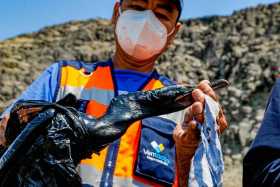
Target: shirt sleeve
x=43, y=88
x=261, y=165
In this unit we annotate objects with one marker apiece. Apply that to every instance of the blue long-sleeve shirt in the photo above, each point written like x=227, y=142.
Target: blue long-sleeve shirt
x=44, y=87
x=261, y=166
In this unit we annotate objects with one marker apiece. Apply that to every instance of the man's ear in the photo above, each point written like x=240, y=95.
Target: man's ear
x=116, y=13
x=173, y=35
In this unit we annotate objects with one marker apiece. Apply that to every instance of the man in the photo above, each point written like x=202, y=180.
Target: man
x=143, y=31
x=261, y=166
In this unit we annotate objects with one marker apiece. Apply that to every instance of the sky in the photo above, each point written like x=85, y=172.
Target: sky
x=24, y=16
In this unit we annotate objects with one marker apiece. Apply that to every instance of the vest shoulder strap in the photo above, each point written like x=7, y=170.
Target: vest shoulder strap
x=87, y=66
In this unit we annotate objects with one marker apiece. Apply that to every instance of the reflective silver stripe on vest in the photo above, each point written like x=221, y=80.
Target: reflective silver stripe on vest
x=89, y=175
x=101, y=96
x=125, y=181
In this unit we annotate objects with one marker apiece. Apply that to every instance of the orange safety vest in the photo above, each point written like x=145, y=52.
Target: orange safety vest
x=94, y=84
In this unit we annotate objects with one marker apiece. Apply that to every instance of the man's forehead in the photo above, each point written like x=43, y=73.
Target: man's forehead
x=165, y=4
x=177, y=2
x=147, y=1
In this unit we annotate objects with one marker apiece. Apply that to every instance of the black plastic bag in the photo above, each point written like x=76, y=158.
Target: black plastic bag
x=46, y=141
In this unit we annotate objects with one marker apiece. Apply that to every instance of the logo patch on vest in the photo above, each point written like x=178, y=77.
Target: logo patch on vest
x=156, y=154
x=158, y=148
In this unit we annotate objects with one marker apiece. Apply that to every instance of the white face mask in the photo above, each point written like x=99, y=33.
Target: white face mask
x=140, y=34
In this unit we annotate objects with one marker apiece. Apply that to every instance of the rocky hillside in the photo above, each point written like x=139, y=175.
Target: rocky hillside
x=243, y=48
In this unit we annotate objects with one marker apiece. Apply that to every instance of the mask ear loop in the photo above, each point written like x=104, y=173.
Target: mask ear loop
x=170, y=33
x=120, y=10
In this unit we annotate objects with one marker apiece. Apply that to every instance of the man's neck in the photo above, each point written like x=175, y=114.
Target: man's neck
x=121, y=61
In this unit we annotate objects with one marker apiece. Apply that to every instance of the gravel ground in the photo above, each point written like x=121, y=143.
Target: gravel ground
x=233, y=175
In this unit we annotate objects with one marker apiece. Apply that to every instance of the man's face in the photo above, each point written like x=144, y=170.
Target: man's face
x=165, y=10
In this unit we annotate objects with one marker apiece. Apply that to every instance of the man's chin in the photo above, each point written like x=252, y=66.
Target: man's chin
x=136, y=62
x=140, y=62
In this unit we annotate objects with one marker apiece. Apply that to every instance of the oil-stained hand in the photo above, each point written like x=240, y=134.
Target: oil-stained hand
x=186, y=135
x=3, y=124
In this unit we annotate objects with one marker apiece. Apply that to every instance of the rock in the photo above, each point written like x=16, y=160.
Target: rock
x=247, y=109
x=227, y=151
x=227, y=160
x=237, y=93
x=244, y=131
x=259, y=115
x=234, y=128
x=237, y=157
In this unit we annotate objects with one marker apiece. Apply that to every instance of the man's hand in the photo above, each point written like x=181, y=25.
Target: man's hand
x=3, y=124
x=186, y=135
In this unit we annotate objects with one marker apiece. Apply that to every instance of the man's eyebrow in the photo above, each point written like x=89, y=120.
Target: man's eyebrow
x=165, y=7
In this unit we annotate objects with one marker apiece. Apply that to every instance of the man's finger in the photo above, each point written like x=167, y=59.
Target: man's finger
x=3, y=124
x=205, y=87
x=193, y=133
x=222, y=122
x=187, y=137
x=189, y=128
x=25, y=114
x=198, y=96
x=194, y=111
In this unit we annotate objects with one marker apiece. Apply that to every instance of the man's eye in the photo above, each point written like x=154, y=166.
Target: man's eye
x=137, y=7
x=162, y=16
